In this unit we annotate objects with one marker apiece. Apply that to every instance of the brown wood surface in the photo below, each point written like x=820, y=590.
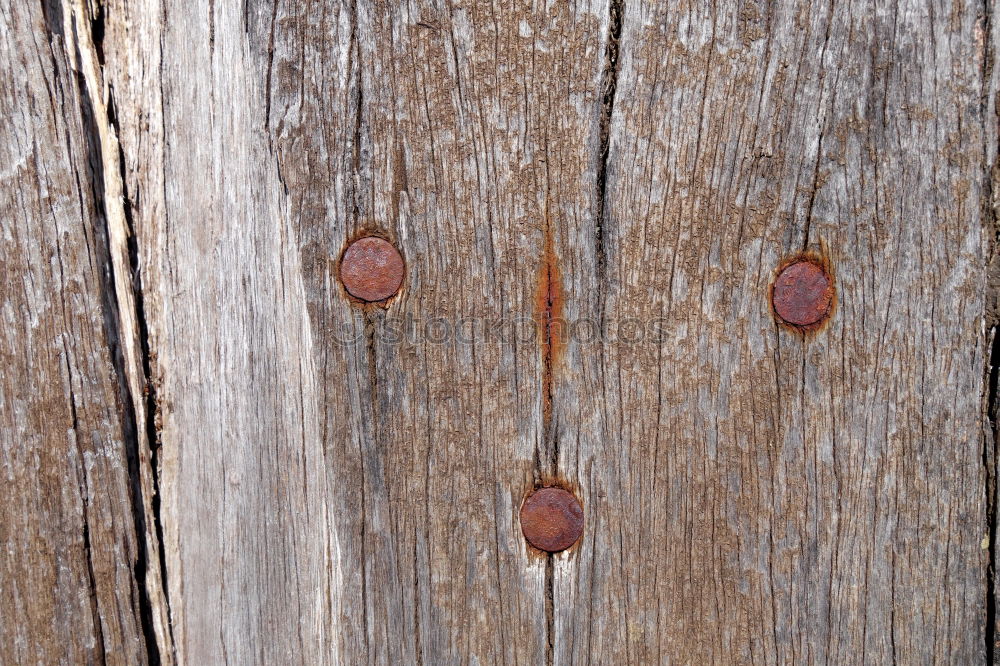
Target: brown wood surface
x=74, y=568
x=212, y=455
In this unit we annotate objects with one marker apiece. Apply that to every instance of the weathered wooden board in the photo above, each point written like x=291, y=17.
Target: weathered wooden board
x=592, y=199
x=74, y=562
x=370, y=486
x=770, y=497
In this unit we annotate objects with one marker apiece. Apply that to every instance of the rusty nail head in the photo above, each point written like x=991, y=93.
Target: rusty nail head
x=803, y=293
x=371, y=269
x=552, y=519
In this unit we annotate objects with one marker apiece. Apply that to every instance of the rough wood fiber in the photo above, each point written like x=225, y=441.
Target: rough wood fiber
x=755, y=495
x=73, y=569
x=332, y=493
x=353, y=501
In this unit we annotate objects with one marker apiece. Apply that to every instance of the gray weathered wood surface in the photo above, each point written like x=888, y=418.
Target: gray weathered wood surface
x=211, y=456
x=76, y=580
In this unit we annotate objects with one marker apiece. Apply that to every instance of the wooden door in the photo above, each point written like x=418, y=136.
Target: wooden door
x=213, y=453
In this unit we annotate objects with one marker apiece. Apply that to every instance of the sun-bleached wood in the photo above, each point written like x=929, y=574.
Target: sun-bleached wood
x=325, y=482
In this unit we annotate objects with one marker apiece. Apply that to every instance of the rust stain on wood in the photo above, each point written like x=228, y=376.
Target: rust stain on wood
x=548, y=315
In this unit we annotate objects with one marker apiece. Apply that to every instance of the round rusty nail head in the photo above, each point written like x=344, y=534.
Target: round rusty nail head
x=552, y=519
x=371, y=269
x=803, y=293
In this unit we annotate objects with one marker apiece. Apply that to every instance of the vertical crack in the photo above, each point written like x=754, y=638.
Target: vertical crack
x=989, y=466
x=152, y=412
x=550, y=615
x=549, y=324
x=92, y=579
x=991, y=429
x=609, y=86
x=354, y=64
x=992, y=316
x=548, y=309
x=549, y=299
x=126, y=330
x=372, y=358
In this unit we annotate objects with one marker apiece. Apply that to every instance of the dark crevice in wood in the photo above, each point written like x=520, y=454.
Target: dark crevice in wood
x=152, y=409
x=989, y=466
x=819, y=146
x=53, y=14
x=991, y=431
x=96, y=178
x=992, y=314
x=267, y=82
x=548, y=308
x=372, y=360
x=211, y=27
x=113, y=333
x=536, y=457
x=97, y=31
x=418, y=649
x=609, y=86
x=92, y=579
x=547, y=357
x=812, y=194
x=550, y=610
x=354, y=61
x=549, y=323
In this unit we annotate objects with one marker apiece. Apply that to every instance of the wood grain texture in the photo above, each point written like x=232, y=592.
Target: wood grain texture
x=73, y=525
x=768, y=496
x=370, y=486
x=325, y=482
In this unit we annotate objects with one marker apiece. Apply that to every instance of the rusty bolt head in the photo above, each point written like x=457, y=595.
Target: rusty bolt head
x=371, y=269
x=552, y=519
x=803, y=293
